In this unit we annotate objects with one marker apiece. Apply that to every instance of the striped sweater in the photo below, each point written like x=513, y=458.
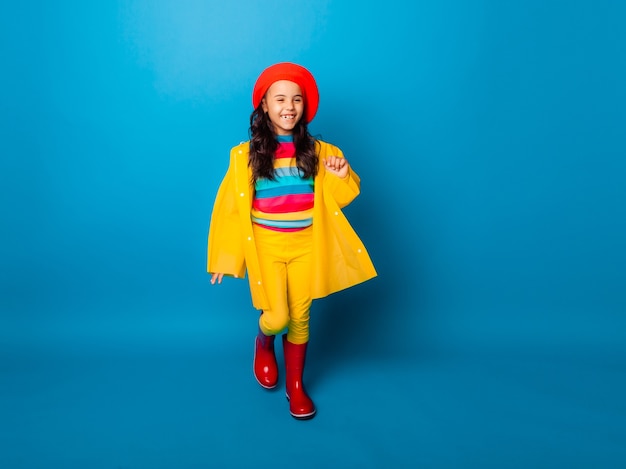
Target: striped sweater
x=285, y=203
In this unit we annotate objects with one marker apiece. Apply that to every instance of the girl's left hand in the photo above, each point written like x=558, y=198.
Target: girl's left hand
x=336, y=165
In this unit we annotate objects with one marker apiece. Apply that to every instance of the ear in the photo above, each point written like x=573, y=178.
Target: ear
x=264, y=104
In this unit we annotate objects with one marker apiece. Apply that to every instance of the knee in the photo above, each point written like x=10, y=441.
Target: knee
x=272, y=324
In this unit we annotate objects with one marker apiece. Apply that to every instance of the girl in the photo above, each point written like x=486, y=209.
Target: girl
x=277, y=215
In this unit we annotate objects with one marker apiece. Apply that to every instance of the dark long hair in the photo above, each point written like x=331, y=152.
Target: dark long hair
x=263, y=146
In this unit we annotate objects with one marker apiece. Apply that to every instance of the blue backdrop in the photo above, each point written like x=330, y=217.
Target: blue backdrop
x=489, y=137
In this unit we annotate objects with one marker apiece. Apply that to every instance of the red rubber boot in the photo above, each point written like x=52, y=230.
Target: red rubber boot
x=300, y=404
x=265, y=366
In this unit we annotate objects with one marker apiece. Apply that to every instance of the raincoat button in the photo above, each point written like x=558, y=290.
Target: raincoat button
x=242, y=194
x=336, y=213
x=359, y=251
x=259, y=282
x=249, y=238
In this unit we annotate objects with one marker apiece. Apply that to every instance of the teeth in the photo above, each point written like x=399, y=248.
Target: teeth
x=288, y=117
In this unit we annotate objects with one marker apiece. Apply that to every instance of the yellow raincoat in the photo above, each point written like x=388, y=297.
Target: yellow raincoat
x=340, y=259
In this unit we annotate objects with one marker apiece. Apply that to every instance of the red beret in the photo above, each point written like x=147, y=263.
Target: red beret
x=292, y=72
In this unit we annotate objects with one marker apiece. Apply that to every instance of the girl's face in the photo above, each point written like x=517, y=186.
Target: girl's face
x=284, y=105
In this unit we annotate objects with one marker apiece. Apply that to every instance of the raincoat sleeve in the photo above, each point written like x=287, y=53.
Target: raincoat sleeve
x=225, y=251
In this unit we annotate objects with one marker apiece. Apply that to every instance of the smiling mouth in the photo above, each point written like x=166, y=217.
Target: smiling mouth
x=288, y=117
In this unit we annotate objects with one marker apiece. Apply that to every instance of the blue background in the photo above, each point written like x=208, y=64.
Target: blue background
x=490, y=140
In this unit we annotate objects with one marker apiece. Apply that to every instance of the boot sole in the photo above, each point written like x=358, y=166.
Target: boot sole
x=303, y=417
x=264, y=386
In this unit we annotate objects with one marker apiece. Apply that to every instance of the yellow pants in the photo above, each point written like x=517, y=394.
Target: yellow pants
x=286, y=260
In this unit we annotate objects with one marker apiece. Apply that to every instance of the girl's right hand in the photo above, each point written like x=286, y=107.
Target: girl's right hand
x=218, y=277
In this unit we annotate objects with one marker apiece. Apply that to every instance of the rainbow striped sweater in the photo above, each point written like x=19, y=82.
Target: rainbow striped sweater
x=285, y=203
